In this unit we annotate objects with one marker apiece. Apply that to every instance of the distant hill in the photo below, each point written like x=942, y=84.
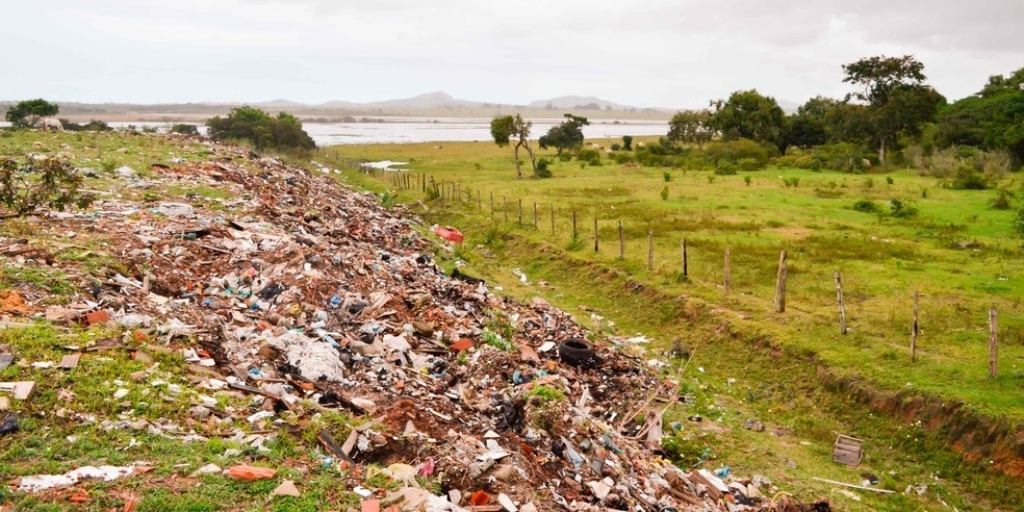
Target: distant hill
x=280, y=103
x=436, y=99
x=579, y=102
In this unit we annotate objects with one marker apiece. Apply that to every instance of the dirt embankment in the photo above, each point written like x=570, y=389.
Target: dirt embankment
x=977, y=437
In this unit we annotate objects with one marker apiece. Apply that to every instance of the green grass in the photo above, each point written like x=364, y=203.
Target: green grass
x=957, y=250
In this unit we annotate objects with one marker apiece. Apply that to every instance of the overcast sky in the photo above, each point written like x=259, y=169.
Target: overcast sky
x=665, y=53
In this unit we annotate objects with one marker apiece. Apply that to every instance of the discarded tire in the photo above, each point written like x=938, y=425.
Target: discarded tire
x=576, y=351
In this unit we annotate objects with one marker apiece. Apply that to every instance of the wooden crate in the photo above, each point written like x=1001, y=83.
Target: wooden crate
x=848, y=450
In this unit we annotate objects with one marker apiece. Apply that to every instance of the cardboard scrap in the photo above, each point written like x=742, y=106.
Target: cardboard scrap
x=21, y=390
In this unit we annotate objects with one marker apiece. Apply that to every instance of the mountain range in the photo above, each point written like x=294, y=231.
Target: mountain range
x=440, y=99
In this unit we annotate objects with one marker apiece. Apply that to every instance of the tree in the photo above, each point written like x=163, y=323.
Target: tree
x=515, y=131
x=29, y=112
x=897, y=99
x=990, y=119
x=691, y=127
x=26, y=187
x=566, y=135
x=749, y=115
x=265, y=132
x=809, y=126
x=627, y=142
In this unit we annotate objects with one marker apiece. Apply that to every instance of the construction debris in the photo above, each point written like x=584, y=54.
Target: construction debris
x=303, y=295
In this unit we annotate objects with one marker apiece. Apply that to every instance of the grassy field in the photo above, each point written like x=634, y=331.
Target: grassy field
x=957, y=250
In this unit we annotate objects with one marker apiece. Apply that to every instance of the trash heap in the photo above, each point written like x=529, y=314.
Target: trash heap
x=306, y=296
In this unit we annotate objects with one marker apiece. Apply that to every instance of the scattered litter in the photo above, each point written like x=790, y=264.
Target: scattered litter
x=38, y=483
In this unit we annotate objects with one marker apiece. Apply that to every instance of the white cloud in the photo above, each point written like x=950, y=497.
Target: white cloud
x=649, y=53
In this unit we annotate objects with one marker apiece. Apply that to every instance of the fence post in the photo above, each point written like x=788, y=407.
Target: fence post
x=993, y=343
x=650, y=249
x=780, y=285
x=914, y=329
x=684, y=258
x=842, y=307
x=622, y=243
x=575, y=233
x=595, y=233
x=535, y=215
x=728, y=272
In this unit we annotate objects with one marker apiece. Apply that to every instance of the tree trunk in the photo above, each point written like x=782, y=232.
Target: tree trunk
x=533, y=159
x=519, y=172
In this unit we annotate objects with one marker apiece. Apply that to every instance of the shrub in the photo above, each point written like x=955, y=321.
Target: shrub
x=627, y=142
x=901, y=209
x=711, y=178
x=724, y=168
x=622, y=158
x=866, y=206
x=1002, y=199
x=749, y=164
x=24, y=188
x=564, y=157
x=735, y=150
x=594, y=162
x=667, y=176
x=889, y=180
x=283, y=132
x=542, y=168
x=747, y=179
x=968, y=178
x=586, y=155
x=185, y=129
x=869, y=182
x=1018, y=222
x=791, y=182
x=664, y=193
x=615, y=146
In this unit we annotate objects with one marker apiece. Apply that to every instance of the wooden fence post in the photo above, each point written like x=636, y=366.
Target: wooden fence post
x=622, y=242
x=842, y=307
x=993, y=343
x=780, y=285
x=595, y=233
x=914, y=329
x=650, y=250
x=684, y=258
x=728, y=272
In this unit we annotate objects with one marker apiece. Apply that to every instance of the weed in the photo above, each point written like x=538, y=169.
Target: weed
x=747, y=179
x=1002, y=199
x=667, y=176
x=664, y=193
x=711, y=178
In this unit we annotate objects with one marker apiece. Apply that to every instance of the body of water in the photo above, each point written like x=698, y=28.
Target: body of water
x=447, y=130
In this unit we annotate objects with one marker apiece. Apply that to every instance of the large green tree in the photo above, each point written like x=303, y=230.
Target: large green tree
x=515, y=131
x=990, y=119
x=749, y=115
x=811, y=124
x=566, y=135
x=283, y=132
x=29, y=112
x=897, y=100
x=691, y=127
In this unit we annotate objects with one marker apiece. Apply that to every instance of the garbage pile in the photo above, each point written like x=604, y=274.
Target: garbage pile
x=309, y=296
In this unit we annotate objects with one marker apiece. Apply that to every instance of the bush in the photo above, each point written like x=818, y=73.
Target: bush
x=791, y=182
x=725, y=168
x=901, y=209
x=615, y=146
x=1018, y=222
x=92, y=126
x=542, y=168
x=564, y=157
x=24, y=188
x=866, y=206
x=587, y=155
x=889, y=180
x=735, y=150
x=664, y=193
x=283, y=132
x=667, y=176
x=749, y=164
x=627, y=142
x=1002, y=199
x=622, y=158
x=968, y=178
x=747, y=180
x=185, y=129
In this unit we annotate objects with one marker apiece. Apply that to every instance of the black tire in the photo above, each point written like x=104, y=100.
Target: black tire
x=577, y=352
